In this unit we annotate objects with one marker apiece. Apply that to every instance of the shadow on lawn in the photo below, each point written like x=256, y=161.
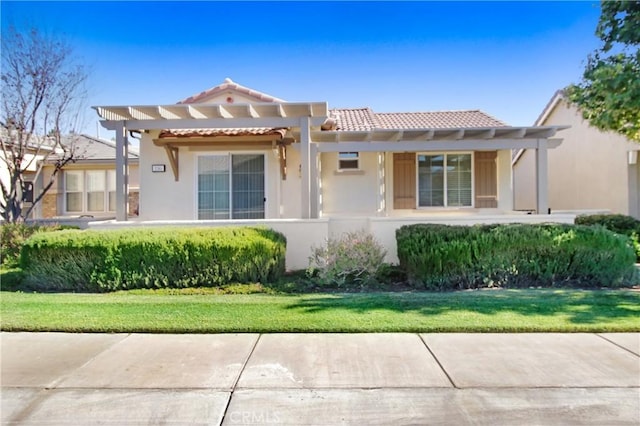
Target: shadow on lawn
x=579, y=306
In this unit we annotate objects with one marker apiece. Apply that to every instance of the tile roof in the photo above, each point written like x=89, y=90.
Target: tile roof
x=354, y=118
x=363, y=119
x=248, y=131
x=229, y=84
x=89, y=148
x=437, y=120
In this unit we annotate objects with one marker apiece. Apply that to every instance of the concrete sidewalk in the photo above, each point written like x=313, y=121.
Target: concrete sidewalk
x=320, y=379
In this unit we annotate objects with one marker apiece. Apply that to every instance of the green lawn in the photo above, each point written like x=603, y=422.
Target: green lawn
x=180, y=312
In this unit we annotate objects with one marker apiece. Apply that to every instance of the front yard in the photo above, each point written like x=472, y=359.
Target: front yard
x=175, y=311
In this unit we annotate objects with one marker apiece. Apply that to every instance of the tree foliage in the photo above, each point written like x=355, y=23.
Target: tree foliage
x=42, y=96
x=609, y=93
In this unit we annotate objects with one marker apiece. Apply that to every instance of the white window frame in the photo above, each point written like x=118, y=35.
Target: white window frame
x=446, y=206
x=85, y=199
x=81, y=191
x=228, y=154
x=349, y=169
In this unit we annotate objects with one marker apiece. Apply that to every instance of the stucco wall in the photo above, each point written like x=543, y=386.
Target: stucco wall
x=162, y=197
x=505, y=190
x=524, y=181
x=588, y=171
x=349, y=192
x=290, y=187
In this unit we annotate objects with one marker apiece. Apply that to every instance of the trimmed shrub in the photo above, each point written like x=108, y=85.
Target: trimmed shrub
x=354, y=258
x=458, y=257
x=99, y=261
x=618, y=223
x=13, y=236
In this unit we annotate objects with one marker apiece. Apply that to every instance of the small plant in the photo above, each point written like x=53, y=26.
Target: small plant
x=354, y=258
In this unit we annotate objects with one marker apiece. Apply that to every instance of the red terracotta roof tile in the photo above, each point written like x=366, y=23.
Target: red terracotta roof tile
x=228, y=84
x=249, y=131
x=437, y=120
x=357, y=119
x=363, y=119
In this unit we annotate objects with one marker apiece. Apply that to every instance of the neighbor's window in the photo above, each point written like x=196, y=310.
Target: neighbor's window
x=444, y=180
x=96, y=184
x=73, y=191
x=90, y=191
x=348, y=161
x=111, y=187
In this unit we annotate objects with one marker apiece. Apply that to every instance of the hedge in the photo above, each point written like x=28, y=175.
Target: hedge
x=459, y=257
x=618, y=223
x=13, y=235
x=97, y=261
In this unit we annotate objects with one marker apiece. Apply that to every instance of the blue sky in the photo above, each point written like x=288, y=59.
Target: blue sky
x=506, y=58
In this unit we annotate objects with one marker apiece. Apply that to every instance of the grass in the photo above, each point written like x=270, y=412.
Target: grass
x=205, y=311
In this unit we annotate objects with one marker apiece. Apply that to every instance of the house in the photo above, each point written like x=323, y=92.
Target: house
x=86, y=187
x=31, y=152
x=592, y=171
x=233, y=154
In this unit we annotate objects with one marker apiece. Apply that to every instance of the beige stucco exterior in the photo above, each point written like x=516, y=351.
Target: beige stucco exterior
x=350, y=192
x=591, y=171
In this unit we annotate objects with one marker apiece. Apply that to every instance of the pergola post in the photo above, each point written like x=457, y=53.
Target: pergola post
x=122, y=172
x=542, y=183
x=305, y=168
x=314, y=192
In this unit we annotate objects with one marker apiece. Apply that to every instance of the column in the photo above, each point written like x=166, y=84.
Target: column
x=542, y=172
x=305, y=167
x=122, y=173
x=314, y=191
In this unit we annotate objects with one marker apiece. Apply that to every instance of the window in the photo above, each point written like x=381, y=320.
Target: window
x=231, y=186
x=74, y=191
x=111, y=187
x=90, y=191
x=96, y=184
x=348, y=161
x=444, y=180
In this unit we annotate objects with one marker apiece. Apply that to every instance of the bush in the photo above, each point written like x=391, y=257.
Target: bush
x=618, y=223
x=13, y=236
x=457, y=257
x=151, y=258
x=354, y=258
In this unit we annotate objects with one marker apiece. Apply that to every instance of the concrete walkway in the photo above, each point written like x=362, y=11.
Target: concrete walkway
x=320, y=379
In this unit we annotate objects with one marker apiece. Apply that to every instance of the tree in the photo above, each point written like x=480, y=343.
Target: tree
x=609, y=93
x=42, y=97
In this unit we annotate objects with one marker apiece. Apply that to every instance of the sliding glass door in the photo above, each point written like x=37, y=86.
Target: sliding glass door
x=231, y=186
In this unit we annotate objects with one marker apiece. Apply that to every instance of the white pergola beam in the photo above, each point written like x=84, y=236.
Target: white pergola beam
x=211, y=123
x=258, y=110
x=433, y=145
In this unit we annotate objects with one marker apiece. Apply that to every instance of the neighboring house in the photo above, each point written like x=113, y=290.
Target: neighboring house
x=35, y=150
x=591, y=171
x=87, y=187
x=235, y=153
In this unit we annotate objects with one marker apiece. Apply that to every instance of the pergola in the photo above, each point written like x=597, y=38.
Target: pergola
x=304, y=120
